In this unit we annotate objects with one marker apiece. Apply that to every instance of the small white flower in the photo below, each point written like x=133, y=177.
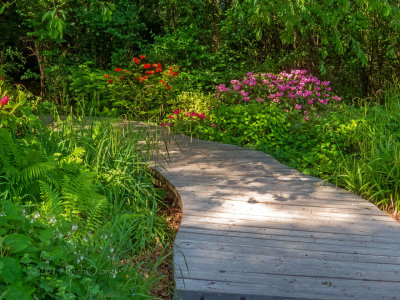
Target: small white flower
x=59, y=235
x=24, y=211
x=36, y=215
x=111, y=250
x=74, y=227
x=85, y=239
x=53, y=220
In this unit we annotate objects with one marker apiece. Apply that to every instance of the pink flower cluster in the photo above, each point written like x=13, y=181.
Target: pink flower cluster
x=295, y=91
x=183, y=115
x=4, y=101
x=166, y=124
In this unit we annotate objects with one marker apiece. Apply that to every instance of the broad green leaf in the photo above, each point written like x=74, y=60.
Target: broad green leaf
x=17, y=242
x=10, y=269
x=386, y=10
x=20, y=292
x=3, y=7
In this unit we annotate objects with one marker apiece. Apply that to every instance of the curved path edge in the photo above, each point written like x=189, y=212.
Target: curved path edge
x=254, y=228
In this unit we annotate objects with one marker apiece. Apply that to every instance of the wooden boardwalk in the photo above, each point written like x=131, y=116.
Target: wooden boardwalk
x=253, y=228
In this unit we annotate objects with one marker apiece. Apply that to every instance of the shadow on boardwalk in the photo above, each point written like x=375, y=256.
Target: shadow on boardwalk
x=254, y=227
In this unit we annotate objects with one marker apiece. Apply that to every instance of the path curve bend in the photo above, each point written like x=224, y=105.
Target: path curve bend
x=254, y=228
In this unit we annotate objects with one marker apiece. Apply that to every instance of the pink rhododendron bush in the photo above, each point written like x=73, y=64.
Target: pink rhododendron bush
x=301, y=95
x=296, y=92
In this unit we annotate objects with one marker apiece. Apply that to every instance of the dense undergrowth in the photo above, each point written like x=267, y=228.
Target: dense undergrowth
x=78, y=210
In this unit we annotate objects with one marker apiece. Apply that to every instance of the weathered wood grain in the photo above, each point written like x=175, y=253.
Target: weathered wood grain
x=253, y=226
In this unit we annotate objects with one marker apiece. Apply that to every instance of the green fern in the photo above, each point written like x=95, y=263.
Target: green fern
x=52, y=204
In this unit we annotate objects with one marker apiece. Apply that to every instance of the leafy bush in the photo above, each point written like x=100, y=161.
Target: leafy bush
x=295, y=92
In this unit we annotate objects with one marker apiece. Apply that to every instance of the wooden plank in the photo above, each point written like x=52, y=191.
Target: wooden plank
x=363, y=208
x=214, y=263
x=364, y=222
x=278, y=197
x=193, y=245
x=284, y=244
x=294, y=207
x=304, y=225
x=298, y=288
x=292, y=235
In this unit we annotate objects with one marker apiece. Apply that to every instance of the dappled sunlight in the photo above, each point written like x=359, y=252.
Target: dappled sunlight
x=249, y=218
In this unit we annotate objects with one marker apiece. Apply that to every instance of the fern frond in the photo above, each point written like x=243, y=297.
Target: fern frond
x=52, y=204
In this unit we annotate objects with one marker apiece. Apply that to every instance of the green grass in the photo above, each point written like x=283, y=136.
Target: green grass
x=79, y=197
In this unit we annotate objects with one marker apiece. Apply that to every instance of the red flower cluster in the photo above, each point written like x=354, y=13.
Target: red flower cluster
x=172, y=72
x=139, y=75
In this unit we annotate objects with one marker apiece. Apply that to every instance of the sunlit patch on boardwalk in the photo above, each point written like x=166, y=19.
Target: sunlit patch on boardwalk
x=252, y=226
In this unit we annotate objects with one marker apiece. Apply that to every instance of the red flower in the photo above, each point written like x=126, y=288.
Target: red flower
x=169, y=88
x=161, y=81
x=106, y=75
x=176, y=112
x=154, y=65
x=146, y=66
x=136, y=60
x=145, y=77
x=118, y=69
x=121, y=78
x=171, y=117
x=142, y=56
x=5, y=100
x=109, y=81
x=202, y=116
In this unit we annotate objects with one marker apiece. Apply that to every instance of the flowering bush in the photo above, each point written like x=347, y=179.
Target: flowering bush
x=13, y=111
x=186, y=117
x=143, y=88
x=296, y=92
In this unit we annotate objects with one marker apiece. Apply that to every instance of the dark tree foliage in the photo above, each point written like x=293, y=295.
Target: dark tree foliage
x=354, y=42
